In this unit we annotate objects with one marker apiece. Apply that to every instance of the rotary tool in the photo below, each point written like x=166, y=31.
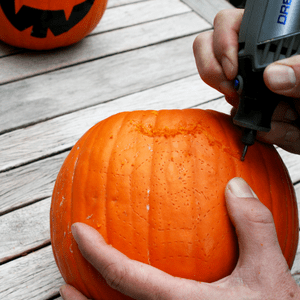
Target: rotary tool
x=270, y=31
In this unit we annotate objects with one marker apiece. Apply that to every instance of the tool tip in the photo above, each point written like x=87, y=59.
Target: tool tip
x=244, y=153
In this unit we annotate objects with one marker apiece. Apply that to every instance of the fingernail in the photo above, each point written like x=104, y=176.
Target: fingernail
x=281, y=77
x=74, y=231
x=61, y=291
x=228, y=68
x=240, y=188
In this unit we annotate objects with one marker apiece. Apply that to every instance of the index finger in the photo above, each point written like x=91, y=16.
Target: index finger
x=227, y=25
x=130, y=277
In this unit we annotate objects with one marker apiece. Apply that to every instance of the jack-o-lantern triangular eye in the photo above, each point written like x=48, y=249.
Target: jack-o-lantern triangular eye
x=58, y=21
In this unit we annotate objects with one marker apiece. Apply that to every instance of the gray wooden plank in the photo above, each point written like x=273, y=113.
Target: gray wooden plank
x=297, y=191
x=38, y=273
x=6, y=50
x=16, y=227
x=208, y=9
x=17, y=272
x=120, y=17
x=28, y=101
x=33, y=63
x=24, y=229
x=34, y=277
x=44, y=139
x=34, y=181
x=28, y=184
x=85, y=85
x=292, y=161
x=114, y=3
x=27, y=228
x=138, y=13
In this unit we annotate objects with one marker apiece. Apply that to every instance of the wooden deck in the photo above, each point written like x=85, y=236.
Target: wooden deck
x=139, y=57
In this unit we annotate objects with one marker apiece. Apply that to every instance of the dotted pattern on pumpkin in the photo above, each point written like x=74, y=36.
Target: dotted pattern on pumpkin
x=152, y=183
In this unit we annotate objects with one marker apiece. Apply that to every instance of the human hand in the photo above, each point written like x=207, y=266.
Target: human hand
x=216, y=54
x=261, y=271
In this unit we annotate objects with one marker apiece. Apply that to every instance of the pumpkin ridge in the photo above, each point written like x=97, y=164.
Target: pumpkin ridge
x=90, y=139
x=116, y=137
x=151, y=188
x=177, y=182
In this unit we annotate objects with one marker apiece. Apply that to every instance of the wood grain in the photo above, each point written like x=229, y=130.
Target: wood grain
x=23, y=240
x=29, y=227
x=208, y=9
x=6, y=50
x=124, y=74
x=21, y=222
x=33, y=63
x=114, y=3
x=32, y=277
x=27, y=101
x=292, y=162
x=37, y=271
x=138, y=57
x=112, y=42
x=138, y=13
x=31, y=182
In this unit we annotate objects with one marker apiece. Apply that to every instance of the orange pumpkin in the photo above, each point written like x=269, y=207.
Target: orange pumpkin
x=152, y=183
x=48, y=24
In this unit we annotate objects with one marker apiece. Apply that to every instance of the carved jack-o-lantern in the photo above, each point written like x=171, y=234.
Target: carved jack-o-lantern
x=48, y=24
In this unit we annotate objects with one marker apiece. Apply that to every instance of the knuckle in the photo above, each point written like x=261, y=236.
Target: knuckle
x=114, y=275
x=201, y=40
x=210, y=74
x=223, y=15
x=261, y=215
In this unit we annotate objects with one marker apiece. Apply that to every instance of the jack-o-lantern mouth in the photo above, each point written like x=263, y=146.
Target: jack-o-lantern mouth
x=42, y=20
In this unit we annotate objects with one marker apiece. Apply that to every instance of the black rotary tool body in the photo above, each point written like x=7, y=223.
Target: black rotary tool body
x=270, y=31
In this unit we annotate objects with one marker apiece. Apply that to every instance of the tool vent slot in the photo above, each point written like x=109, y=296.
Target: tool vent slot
x=279, y=49
x=242, y=46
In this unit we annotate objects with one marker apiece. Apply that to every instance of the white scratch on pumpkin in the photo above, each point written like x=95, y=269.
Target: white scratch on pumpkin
x=62, y=201
x=88, y=217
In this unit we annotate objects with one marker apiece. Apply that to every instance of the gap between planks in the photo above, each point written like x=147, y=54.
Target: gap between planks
x=29, y=98
x=131, y=73
x=7, y=50
x=30, y=181
x=41, y=262
x=119, y=19
x=208, y=9
x=21, y=220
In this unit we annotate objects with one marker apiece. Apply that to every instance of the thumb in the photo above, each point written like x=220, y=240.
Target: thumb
x=254, y=227
x=283, y=77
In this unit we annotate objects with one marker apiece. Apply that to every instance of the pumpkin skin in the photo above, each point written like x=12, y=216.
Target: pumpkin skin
x=152, y=183
x=48, y=24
